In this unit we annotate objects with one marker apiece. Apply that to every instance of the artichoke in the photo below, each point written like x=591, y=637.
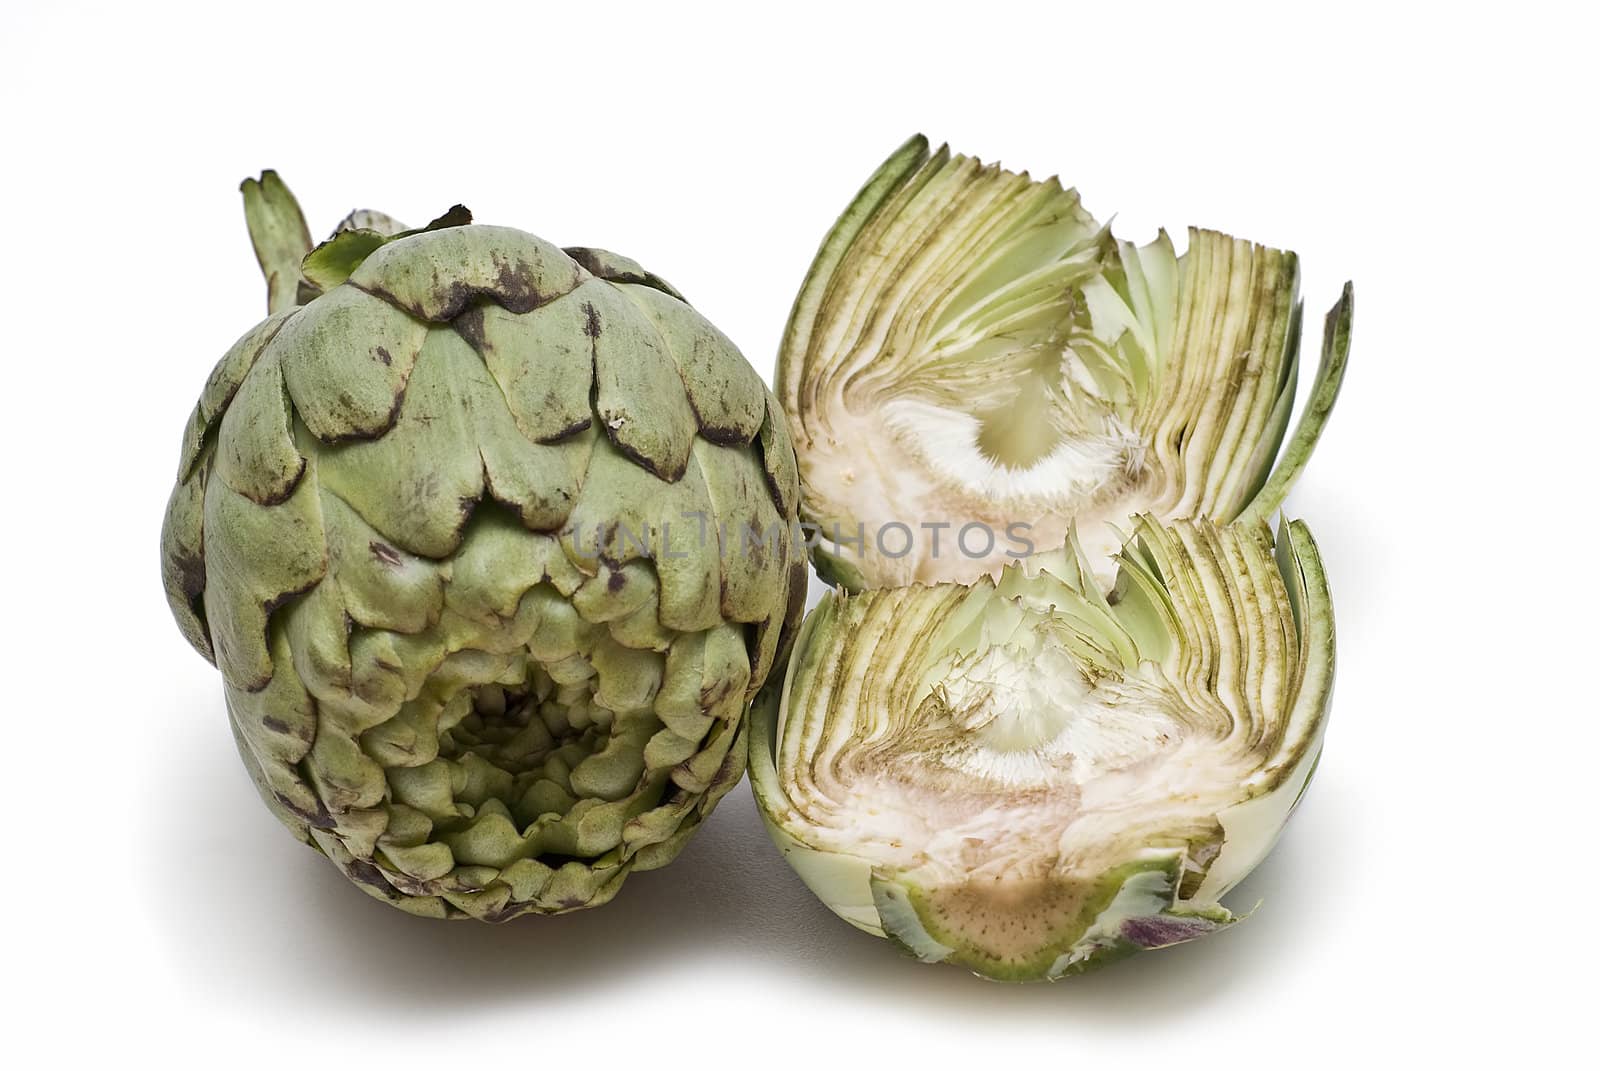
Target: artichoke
x=478, y=532
x=974, y=365
x=1032, y=776
x=1072, y=686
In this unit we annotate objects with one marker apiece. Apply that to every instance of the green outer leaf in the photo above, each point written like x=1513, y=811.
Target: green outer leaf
x=1216, y=397
x=841, y=881
x=436, y=275
x=1324, y=392
x=1252, y=828
x=890, y=176
x=183, y=566
x=837, y=569
x=332, y=262
x=615, y=268
x=1258, y=467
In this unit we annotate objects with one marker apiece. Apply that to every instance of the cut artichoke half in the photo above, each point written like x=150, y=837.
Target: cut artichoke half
x=460, y=525
x=1032, y=776
x=974, y=364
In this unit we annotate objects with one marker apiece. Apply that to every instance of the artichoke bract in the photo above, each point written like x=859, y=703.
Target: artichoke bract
x=974, y=364
x=464, y=523
x=1033, y=776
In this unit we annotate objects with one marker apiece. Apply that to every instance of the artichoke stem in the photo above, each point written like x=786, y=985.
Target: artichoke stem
x=280, y=237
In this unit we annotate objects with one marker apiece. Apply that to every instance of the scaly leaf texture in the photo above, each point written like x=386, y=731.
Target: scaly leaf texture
x=491, y=544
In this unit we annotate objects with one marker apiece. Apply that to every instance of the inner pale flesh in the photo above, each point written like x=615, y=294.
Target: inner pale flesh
x=1014, y=763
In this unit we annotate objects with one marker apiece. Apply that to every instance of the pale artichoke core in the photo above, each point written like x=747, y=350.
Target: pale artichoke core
x=1016, y=763
x=1032, y=459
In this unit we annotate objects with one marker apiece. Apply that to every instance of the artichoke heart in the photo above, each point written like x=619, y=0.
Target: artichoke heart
x=1035, y=775
x=974, y=365
x=463, y=524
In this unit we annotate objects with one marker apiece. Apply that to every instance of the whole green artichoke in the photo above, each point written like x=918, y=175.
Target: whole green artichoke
x=491, y=543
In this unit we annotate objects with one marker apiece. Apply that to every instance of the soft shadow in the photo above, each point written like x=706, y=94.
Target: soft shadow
x=245, y=908
x=251, y=913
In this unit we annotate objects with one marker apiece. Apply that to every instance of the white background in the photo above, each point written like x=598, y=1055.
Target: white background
x=1433, y=899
